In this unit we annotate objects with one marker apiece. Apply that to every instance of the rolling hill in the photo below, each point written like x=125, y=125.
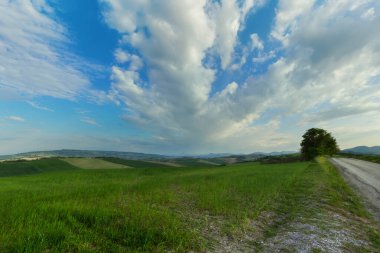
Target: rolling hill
x=375, y=150
x=86, y=154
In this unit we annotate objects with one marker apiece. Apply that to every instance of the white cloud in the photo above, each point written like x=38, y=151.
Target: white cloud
x=369, y=14
x=89, y=121
x=330, y=59
x=121, y=56
x=40, y=107
x=15, y=118
x=263, y=57
x=288, y=15
x=257, y=43
x=226, y=16
x=337, y=57
x=135, y=62
x=34, y=60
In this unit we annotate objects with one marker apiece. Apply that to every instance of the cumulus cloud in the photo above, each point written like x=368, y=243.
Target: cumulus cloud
x=336, y=59
x=34, y=60
x=329, y=58
x=177, y=101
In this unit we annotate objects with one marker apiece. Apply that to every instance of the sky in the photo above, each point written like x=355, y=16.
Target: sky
x=187, y=77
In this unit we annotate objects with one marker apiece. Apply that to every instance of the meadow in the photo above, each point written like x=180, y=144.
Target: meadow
x=51, y=206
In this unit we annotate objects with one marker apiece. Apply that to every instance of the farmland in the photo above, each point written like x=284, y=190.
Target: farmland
x=50, y=205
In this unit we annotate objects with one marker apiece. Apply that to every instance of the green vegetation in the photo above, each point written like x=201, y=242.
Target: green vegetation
x=162, y=209
x=165, y=163
x=14, y=168
x=135, y=163
x=320, y=191
x=192, y=162
x=317, y=142
x=93, y=163
x=369, y=158
x=291, y=158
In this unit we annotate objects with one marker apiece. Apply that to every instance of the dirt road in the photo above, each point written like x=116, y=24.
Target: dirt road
x=365, y=177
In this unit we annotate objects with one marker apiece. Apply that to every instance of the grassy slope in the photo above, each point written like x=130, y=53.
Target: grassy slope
x=165, y=163
x=135, y=163
x=192, y=162
x=137, y=209
x=160, y=209
x=93, y=163
x=15, y=168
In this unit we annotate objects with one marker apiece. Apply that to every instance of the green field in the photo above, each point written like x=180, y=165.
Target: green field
x=135, y=163
x=93, y=163
x=66, y=209
x=31, y=167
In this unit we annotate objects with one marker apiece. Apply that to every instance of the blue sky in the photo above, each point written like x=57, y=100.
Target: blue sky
x=187, y=77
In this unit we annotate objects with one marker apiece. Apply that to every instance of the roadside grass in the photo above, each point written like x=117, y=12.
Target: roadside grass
x=338, y=193
x=369, y=158
x=135, y=210
x=93, y=163
x=14, y=168
x=321, y=192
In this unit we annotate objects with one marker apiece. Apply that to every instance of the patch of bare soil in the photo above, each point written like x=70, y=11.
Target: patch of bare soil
x=171, y=164
x=329, y=232
x=208, y=162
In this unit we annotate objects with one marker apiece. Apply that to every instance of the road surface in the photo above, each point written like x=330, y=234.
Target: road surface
x=365, y=177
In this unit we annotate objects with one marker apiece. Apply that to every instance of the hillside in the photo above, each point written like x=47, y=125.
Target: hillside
x=15, y=168
x=85, y=153
x=375, y=150
x=153, y=160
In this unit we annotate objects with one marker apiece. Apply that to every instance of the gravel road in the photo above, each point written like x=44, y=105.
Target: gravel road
x=365, y=177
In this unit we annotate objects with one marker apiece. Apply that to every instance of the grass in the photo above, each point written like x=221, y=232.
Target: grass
x=290, y=158
x=157, y=209
x=135, y=163
x=369, y=158
x=135, y=209
x=93, y=163
x=193, y=162
x=14, y=168
x=318, y=192
x=164, y=163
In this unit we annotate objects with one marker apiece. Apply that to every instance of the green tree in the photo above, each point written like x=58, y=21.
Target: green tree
x=317, y=142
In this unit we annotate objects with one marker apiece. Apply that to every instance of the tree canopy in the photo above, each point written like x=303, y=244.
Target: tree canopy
x=318, y=142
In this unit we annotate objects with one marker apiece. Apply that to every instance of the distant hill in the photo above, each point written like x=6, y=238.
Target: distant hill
x=85, y=153
x=250, y=157
x=211, y=155
x=200, y=160
x=375, y=150
x=16, y=168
